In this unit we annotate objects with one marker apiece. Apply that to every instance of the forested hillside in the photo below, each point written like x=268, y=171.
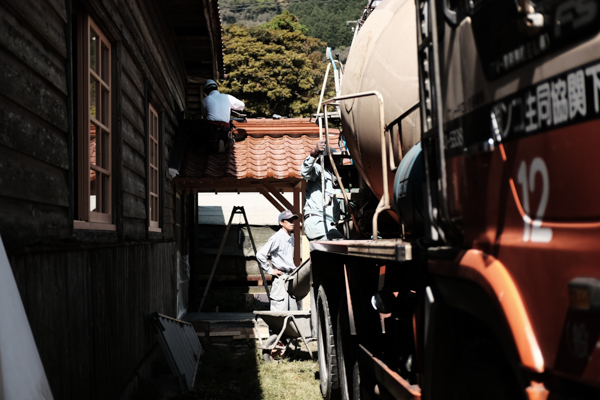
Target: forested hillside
x=275, y=68
x=325, y=19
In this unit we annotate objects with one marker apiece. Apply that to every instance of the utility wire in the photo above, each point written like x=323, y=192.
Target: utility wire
x=239, y=7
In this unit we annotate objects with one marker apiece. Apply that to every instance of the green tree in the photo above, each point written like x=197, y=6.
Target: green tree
x=325, y=20
x=274, y=68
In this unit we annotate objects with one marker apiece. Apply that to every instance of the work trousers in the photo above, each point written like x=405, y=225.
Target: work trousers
x=280, y=298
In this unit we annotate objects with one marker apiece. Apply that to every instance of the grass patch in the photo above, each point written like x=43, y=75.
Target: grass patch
x=289, y=380
x=235, y=370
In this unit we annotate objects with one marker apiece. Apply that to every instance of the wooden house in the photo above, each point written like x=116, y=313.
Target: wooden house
x=91, y=95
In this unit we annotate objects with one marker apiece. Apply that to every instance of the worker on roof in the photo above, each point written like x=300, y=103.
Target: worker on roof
x=217, y=106
x=216, y=109
x=280, y=247
x=320, y=220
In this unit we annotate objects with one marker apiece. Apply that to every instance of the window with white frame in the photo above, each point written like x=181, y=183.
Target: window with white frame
x=94, y=136
x=153, y=169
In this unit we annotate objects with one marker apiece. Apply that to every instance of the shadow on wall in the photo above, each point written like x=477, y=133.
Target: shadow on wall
x=211, y=215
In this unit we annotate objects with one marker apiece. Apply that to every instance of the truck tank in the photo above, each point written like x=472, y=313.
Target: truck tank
x=383, y=57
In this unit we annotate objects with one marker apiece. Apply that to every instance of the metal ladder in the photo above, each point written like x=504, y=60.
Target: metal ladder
x=236, y=210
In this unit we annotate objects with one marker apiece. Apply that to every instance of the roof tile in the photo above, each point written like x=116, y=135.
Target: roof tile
x=264, y=148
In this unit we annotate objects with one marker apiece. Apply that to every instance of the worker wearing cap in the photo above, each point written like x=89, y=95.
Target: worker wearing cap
x=320, y=222
x=216, y=107
x=281, y=249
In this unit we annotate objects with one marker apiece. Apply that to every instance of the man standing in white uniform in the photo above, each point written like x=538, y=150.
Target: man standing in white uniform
x=281, y=249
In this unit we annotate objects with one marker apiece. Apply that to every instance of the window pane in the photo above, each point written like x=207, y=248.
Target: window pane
x=155, y=201
x=105, y=108
x=94, y=41
x=93, y=131
x=93, y=97
x=155, y=180
x=155, y=127
x=105, y=193
x=151, y=155
x=105, y=63
x=93, y=190
x=105, y=150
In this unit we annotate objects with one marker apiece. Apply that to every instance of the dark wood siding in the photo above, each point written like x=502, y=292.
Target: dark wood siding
x=34, y=122
x=86, y=310
x=86, y=292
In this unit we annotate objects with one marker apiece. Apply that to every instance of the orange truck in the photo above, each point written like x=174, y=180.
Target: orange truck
x=474, y=123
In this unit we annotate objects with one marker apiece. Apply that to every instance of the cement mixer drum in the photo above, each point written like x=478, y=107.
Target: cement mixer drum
x=383, y=57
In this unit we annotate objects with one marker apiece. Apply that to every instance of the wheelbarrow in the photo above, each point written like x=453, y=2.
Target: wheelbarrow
x=289, y=324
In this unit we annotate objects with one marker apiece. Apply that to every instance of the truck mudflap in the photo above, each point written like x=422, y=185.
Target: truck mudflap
x=389, y=380
x=382, y=249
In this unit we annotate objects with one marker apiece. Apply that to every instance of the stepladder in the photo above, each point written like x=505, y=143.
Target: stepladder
x=237, y=210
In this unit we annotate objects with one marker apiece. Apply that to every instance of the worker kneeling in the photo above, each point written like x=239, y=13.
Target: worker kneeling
x=280, y=247
x=216, y=109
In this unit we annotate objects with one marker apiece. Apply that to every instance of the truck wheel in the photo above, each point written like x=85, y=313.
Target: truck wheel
x=327, y=354
x=349, y=378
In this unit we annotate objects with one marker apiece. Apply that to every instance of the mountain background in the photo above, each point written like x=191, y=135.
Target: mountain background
x=325, y=19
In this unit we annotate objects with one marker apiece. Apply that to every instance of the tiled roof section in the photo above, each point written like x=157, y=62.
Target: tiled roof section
x=278, y=127
x=263, y=149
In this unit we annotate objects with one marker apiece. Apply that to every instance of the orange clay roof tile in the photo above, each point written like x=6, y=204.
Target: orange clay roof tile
x=264, y=148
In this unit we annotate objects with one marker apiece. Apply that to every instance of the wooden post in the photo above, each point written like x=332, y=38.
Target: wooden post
x=296, y=210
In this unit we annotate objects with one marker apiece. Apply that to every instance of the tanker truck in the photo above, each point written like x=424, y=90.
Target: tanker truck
x=474, y=123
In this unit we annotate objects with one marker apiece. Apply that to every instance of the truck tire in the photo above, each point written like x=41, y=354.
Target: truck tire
x=327, y=355
x=349, y=378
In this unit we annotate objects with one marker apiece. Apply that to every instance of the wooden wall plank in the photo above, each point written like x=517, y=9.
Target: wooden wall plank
x=42, y=17
x=23, y=222
x=134, y=207
x=60, y=8
x=24, y=87
x=129, y=89
x=140, y=53
x=24, y=132
x=133, y=160
x=148, y=28
x=132, y=71
x=134, y=183
x=27, y=47
x=131, y=114
x=28, y=179
x=169, y=215
x=169, y=199
x=168, y=231
x=133, y=137
x=79, y=312
x=134, y=229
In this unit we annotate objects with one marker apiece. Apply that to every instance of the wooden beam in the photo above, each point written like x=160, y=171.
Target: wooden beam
x=297, y=226
x=230, y=184
x=268, y=196
x=279, y=197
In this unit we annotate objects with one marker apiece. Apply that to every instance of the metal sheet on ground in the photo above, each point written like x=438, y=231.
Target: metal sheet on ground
x=180, y=345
